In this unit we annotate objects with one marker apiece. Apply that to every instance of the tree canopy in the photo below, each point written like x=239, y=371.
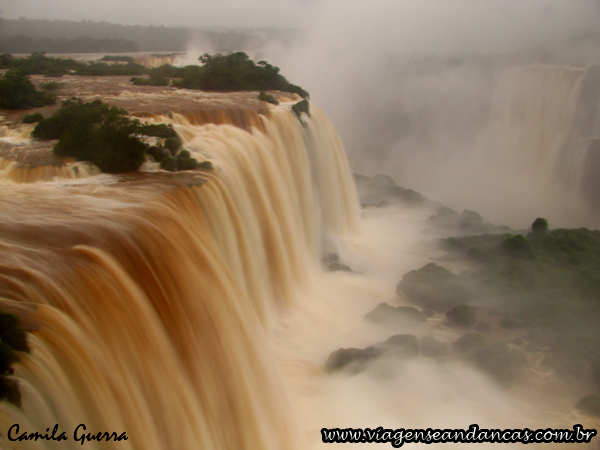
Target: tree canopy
x=18, y=92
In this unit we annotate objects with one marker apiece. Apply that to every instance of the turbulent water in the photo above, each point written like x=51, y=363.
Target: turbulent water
x=150, y=297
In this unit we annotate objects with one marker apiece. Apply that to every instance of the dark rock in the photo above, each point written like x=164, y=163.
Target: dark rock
x=434, y=287
x=401, y=316
x=462, y=315
x=353, y=358
x=469, y=343
x=401, y=345
x=336, y=266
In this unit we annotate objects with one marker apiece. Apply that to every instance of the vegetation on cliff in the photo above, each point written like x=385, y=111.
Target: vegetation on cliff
x=232, y=72
x=546, y=285
x=105, y=136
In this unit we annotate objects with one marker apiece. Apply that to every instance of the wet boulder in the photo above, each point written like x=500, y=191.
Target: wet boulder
x=462, y=316
x=351, y=358
x=400, y=316
x=434, y=287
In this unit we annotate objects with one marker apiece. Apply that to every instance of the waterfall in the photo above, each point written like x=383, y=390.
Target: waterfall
x=149, y=297
x=542, y=121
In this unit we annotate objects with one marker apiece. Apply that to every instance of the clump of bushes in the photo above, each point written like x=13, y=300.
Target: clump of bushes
x=173, y=144
x=540, y=225
x=160, y=130
x=185, y=161
x=235, y=72
x=107, y=137
x=554, y=296
x=6, y=60
x=168, y=160
x=301, y=107
x=518, y=247
x=18, y=92
x=169, y=163
x=95, y=132
x=33, y=118
x=13, y=339
x=264, y=97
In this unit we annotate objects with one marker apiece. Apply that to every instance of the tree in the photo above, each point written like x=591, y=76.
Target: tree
x=18, y=92
x=95, y=132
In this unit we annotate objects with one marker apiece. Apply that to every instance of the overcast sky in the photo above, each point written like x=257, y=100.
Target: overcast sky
x=164, y=12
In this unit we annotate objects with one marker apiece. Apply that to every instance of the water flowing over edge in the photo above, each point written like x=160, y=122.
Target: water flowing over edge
x=149, y=299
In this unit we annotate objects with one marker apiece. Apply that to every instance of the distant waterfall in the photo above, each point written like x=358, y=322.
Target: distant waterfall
x=543, y=121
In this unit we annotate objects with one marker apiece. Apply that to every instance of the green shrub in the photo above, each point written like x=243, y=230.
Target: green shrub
x=301, y=107
x=95, y=132
x=206, y=165
x=169, y=163
x=518, y=247
x=33, y=118
x=18, y=92
x=184, y=154
x=40, y=64
x=173, y=144
x=540, y=226
x=264, y=97
x=187, y=164
x=6, y=60
x=158, y=153
x=50, y=128
x=234, y=72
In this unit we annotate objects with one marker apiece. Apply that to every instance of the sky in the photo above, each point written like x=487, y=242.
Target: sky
x=238, y=13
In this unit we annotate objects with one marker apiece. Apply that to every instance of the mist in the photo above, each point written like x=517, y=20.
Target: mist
x=410, y=85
